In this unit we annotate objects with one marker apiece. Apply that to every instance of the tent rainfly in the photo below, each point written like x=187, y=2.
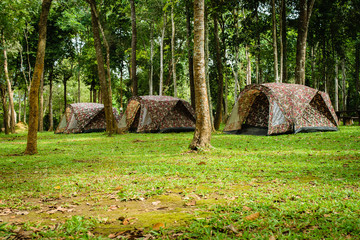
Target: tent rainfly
x=84, y=117
x=277, y=108
x=157, y=114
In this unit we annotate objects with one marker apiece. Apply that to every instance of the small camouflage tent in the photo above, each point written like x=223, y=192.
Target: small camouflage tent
x=157, y=114
x=84, y=117
x=276, y=108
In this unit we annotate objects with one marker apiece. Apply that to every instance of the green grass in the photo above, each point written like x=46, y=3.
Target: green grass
x=303, y=186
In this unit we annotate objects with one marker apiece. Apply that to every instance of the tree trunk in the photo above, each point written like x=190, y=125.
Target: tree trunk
x=106, y=96
x=25, y=95
x=336, y=85
x=162, y=56
x=51, y=117
x=173, y=63
x=133, y=49
x=283, y=43
x=219, y=104
x=258, y=52
x=65, y=91
x=41, y=108
x=248, y=66
x=79, y=86
x=343, y=69
x=202, y=134
x=306, y=7
x=313, y=65
x=9, y=89
x=190, y=54
x=151, y=59
x=207, y=72
x=357, y=68
x=5, y=110
x=31, y=147
x=20, y=106
x=275, y=50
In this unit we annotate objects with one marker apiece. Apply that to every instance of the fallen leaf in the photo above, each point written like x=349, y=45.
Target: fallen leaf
x=157, y=226
x=245, y=208
x=253, y=216
x=57, y=187
x=192, y=203
x=22, y=213
x=112, y=236
x=155, y=203
x=118, y=188
x=231, y=228
x=327, y=215
x=127, y=221
x=201, y=163
x=272, y=238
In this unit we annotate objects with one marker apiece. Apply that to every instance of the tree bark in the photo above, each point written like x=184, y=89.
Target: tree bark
x=51, y=117
x=190, y=54
x=220, y=91
x=162, y=56
x=41, y=108
x=20, y=106
x=105, y=88
x=275, y=50
x=248, y=66
x=343, y=69
x=283, y=43
x=202, y=134
x=151, y=59
x=9, y=89
x=336, y=86
x=306, y=7
x=133, y=49
x=173, y=63
x=5, y=110
x=31, y=147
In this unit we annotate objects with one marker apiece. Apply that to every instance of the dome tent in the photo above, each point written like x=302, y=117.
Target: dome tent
x=84, y=117
x=157, y=114
x=277, y=108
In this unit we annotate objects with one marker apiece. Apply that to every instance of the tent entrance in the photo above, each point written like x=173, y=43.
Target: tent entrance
x=257, y=120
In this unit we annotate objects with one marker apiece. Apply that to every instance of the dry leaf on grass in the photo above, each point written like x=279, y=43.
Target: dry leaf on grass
x=192, y=203
x=127, y=221
x=57, y=187
x=272, y=238
x=253, y=216
x=155, y=203
x=245, y=208
x=201, y=163
x=157, y=226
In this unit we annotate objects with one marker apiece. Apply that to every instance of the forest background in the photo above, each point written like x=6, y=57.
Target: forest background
x=243, y=41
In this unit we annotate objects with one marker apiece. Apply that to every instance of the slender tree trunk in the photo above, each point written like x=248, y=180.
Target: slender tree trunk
x=283, y=43
x=9, y=89
x=31, y=147
x=162, y=56
x=151, y=59
x=41, y=107
x=207, y=72
x=357, y=68
x=79, y=86
x=202, y=134
x=25, y=95
x=343, y=69
x=173, y=63
x=190, y=53
x=306, y=7
x=5, y=110
x=121, y=89
x=248, y=66
x=105, y=88
x=20, y=106
x=275, y=50
x=133, y=49
x=51, y=117
x=65, y=92
x=219, y=105
x=313, y=66
x=336, y=86
x=258, y=51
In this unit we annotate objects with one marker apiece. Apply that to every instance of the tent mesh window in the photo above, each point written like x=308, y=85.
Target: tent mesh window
x=259, y=112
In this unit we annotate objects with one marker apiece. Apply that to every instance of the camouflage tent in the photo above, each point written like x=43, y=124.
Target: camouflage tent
x=84, y=117
x=276, y=108
x=157, y=114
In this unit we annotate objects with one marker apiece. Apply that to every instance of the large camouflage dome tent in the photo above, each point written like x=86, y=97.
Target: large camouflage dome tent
x=84, y=117
x=276, y=108
x=157, y=114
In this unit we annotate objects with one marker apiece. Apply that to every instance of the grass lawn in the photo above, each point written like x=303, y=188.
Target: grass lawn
x=150, y=186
